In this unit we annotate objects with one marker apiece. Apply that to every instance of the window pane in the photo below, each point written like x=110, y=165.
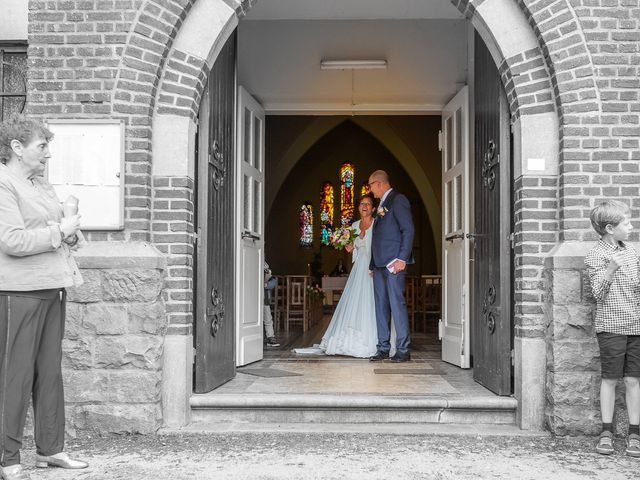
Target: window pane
x=13, y=81
x=458, y=203
x=15, y=73
x=457, y=137
x=10, y=105
x=448, y=148
x=257, y=135
x=246, y=203
x=449, y=207
x=257, y=207
x=247, y=136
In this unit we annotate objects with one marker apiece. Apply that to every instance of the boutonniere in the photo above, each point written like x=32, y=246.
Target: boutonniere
x=382, y=211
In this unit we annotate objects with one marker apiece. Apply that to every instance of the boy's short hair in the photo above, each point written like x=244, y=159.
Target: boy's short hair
x=610, y=212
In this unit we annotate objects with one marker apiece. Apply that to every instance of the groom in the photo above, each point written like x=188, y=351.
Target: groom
x=390, y=253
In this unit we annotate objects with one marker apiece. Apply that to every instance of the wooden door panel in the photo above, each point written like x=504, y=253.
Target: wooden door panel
x=491, y=317
x=215, y=302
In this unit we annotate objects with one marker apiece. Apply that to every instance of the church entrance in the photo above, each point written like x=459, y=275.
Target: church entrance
x=307, y=136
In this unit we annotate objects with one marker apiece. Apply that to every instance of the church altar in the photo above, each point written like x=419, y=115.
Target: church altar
x=331, y=285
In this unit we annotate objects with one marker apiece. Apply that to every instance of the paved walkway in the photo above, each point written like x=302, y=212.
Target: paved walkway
x=340, y=456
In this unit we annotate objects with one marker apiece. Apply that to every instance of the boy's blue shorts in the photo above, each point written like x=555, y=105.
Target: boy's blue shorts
x=619, y=355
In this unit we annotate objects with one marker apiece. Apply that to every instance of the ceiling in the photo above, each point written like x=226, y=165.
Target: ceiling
x=352, y=10
x=282, y=42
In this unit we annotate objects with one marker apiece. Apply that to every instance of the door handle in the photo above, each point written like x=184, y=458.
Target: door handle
x=250, y=235
x=471, y=236
x=454, y=236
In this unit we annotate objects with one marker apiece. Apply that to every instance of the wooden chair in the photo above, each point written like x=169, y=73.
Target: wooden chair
x=297, y=308
x=430, y=297
x=279, y=302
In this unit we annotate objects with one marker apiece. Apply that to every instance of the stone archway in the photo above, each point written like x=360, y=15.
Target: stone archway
x=545, y=77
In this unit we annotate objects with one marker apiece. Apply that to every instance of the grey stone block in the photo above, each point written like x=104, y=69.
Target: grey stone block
x=132, y=285
x=126, y=351
x=118, y=386
x=566, y=287
x=573, y=388
x=573, y=420
x=90, y=290
x=143, y=418
x=77, y=353
x=73, y=321
x=106, y=319
x=148, y=318
x=572, y=322
x=573, y=356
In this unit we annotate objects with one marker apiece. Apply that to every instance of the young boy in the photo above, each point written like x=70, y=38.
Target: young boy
x=613, y=270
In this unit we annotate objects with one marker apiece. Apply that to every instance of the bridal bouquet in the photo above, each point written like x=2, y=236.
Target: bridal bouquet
x=343, y=236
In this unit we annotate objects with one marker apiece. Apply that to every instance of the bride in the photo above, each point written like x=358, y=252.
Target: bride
x=352, y=330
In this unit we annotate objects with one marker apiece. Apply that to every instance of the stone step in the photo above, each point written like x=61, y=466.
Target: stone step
x=351, y=409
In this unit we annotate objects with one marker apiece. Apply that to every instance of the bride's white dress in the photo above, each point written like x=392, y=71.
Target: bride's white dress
x=353, y=330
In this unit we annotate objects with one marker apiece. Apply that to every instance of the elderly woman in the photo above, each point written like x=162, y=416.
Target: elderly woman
x=35, y=268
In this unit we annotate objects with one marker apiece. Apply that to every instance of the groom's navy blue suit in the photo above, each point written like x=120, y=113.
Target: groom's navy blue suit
x=392, y=239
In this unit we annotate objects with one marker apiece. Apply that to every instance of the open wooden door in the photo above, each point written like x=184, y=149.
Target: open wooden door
x=493, y=207
x=250, y=228
x=454, y=326
x=214, y=260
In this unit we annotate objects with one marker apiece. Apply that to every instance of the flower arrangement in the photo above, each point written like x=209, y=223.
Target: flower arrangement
x=343, y=236
x=315, y=292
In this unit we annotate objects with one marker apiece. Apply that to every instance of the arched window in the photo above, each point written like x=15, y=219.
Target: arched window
x=364, y=189
x=305, y=224
x=346, y=193
x=326, y=212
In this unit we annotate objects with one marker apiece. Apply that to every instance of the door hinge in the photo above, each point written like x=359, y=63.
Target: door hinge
x=439, y=329
x=513, y=358
x=440, y=140
x=194, y=353
x=512, y=240
x=196, y=238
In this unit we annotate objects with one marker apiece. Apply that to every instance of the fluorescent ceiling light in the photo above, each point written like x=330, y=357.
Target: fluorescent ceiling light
x=352, y=64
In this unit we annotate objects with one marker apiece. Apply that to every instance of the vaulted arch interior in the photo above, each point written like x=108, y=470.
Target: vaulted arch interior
x=346, y=142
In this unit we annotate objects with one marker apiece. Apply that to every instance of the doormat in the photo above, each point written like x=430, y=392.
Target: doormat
x=408, y=371
x=268, y=372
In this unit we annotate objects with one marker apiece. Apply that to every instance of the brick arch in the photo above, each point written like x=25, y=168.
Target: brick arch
x=561, y=50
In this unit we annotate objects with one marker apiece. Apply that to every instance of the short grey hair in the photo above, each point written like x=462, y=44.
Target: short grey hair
x=22, y=128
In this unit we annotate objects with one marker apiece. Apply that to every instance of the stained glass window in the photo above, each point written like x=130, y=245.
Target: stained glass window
x=364, y=189
x=326, y=212
x=346, y=193
x=305, y=224
x=13, y=80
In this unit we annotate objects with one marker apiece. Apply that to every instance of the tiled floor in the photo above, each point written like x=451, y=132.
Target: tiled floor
x=426, y=374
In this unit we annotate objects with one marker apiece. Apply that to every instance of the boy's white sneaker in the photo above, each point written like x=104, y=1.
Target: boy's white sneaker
x=605, y=443
x=633, y=445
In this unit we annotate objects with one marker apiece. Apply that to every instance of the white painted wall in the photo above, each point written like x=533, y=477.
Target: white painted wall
x=13, y=19
x=279, y=63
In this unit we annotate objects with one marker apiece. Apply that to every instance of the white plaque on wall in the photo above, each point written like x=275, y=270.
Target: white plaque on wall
x=87, y=160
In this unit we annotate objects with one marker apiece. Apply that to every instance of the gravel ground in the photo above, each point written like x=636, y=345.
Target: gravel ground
x=342, y=456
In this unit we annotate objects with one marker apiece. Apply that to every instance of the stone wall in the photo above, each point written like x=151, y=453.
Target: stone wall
x=113, y=345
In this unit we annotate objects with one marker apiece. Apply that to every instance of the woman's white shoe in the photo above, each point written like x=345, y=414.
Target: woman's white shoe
x=61, y=460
